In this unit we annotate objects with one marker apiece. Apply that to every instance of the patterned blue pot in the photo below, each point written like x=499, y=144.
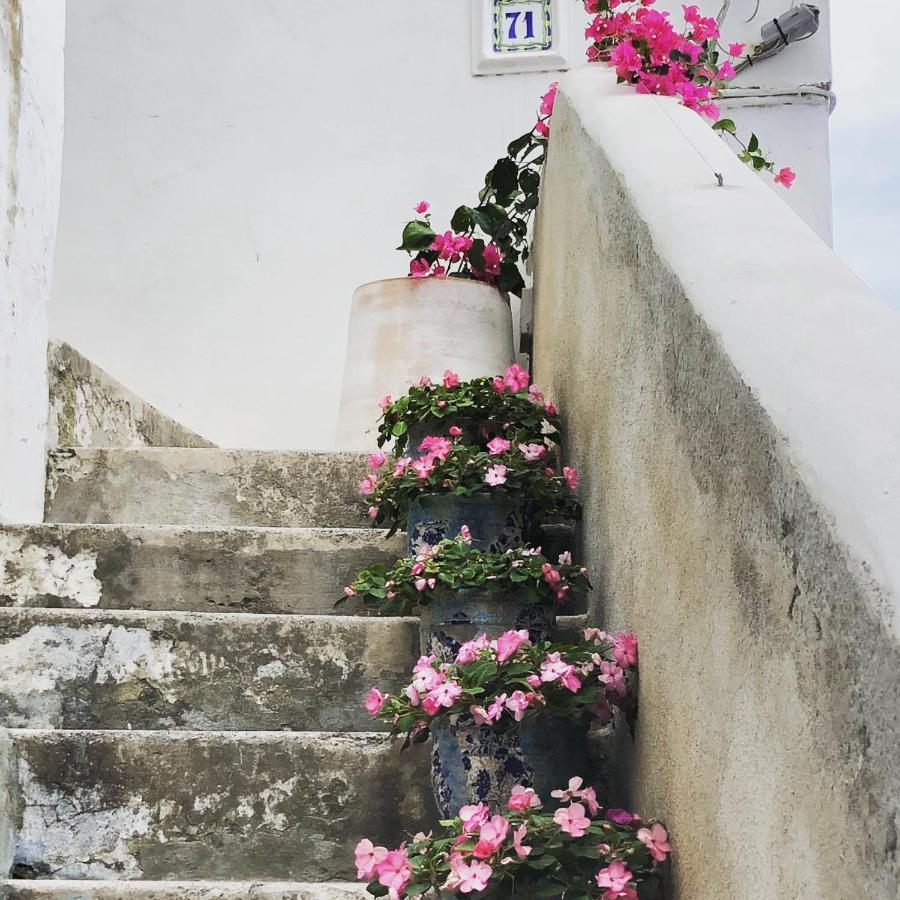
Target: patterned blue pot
x=497, y=522
x=458, y=616
x=481, y=764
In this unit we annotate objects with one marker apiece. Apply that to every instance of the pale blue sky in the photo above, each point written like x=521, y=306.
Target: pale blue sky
x=865, y=141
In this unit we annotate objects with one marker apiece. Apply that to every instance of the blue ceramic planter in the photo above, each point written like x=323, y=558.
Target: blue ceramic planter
x=481, y=764
x=496, y=522
x=458, y=616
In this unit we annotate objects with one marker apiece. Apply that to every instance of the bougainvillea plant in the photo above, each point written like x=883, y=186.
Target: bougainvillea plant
x=486, y=242
x=507, y=406
x=448, y=466
x=649, y=53
x=503, y=680
x=455, y=565
x=579, y=852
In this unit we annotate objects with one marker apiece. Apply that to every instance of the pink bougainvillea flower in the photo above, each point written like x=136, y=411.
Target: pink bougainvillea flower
x=377, y=460
x=572, y=820
x=374, y=701
x=495, y=475
x=614, y=878
x=571, y=476
x=394, y=871
x=516, y=379
x=726, y=71
x=419, y=268
x=786, y=177
x=523, y=798
x=498, y=445
x=541, y=128
x=656, y=840
x=367, y=858
x=736, y=49
x=625, y=649
x=549, y=99
x=422, y=207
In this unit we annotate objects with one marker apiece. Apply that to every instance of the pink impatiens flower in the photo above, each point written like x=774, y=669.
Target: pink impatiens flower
x=473, y=817
x=656, y=840
x=368, y=484
x=509, y=642
x=446, y=694
x=495, y=475
x=518, y=836
x=472, y=876
x=498, y=445
x=451, y=379
x=517, y=704
x=572, y=820
x=377, y=460
x=394, y=871
x=786, y=177
x=523, y=798
x=385, y=402
x=622, y=817
x=367, y=858
x=490, y=837
x=455, y=431
x=516, y=379
x=533, y=452
x=614, y=878
x=625, y=649
x=374, y=701
x=571, y=477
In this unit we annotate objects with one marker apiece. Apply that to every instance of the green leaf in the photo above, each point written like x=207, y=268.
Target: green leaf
x=753, y=146
x=519, y=144
x=529, y=181
x=505, y=177
x=463, y=219
x=417, y=236
x=725, y=125
x=399, y=428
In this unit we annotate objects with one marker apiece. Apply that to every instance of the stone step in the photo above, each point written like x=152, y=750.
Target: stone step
x=167, y=567
x=179, y=890
x=204, y=487
x=63, y=668
x=151, y=805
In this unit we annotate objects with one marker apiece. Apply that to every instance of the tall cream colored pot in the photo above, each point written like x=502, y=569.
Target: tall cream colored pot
x=404, y=328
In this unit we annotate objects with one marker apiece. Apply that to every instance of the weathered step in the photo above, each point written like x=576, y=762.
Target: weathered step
x=167, y=567
x=204, y=487
x=62, y=668
x=179, y=890
x=211, y=805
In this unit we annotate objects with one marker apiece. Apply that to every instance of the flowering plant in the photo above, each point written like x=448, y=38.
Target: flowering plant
x=455, y=565
x=523, y=852
x=653, y=56
x=450, y=467
x=506, y=405
x=486, y=242
x=495, y=681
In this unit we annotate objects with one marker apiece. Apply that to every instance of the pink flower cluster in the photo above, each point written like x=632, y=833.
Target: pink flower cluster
x=486, y=842
x=451, y=248
x=542, y=126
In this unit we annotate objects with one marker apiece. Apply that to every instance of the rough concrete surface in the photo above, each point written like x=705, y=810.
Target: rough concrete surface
x=769, y=721
x=178, y=890
x=166, y=567
x=205, y=487
x=200, y=671
x=9, y=801
x=205, y=805
x=89, y=408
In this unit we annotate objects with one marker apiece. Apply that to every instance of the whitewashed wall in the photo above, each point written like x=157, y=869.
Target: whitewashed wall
x=233, y=171
x=31, y=129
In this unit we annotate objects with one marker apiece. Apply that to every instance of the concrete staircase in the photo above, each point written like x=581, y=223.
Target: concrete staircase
x=183, y=704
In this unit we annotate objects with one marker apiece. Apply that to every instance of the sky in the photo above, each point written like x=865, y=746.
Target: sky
x=865, y=141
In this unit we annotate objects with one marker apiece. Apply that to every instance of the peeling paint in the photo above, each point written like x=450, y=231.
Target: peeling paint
x=29, y=571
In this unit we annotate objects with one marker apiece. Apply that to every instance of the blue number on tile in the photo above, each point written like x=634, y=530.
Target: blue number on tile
x=512, y=25
x=529, y=24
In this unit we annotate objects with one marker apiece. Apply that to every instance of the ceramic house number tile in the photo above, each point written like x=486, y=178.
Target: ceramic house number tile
x=520, y=36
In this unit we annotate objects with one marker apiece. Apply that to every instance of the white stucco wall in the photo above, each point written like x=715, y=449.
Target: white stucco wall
x=729, y=394
x=233, y=171
x=31, y=129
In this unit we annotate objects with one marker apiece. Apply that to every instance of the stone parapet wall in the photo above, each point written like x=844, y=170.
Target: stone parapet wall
x=89, y=408
x=730, y=395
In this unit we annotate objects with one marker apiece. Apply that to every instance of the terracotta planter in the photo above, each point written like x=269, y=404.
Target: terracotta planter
x=458, y=616
x=496, y=522
x=403, y=328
